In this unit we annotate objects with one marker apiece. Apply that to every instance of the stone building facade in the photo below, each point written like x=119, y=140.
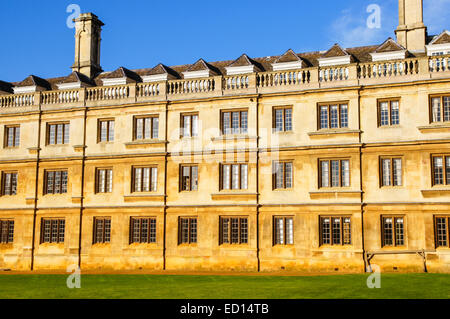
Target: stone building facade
x=322, y=161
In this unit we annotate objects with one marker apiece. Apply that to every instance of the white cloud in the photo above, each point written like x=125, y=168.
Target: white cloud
x=351, y=29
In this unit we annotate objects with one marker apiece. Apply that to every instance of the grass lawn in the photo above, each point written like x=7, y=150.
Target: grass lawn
x=404, y=286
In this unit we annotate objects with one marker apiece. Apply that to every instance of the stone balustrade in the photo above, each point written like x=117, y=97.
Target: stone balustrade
x=60, y=97
x=383, y=72
x=389, y=69
x=439, y=63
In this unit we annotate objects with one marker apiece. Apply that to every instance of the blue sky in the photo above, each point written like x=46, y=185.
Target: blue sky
x=142, y=33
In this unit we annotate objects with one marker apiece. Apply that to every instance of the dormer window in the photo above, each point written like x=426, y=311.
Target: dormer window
x=335, y=56
x=288, y=61
x=389, y=50
x=200, y=69
x=440, y=45
x=31, y=84
x=159, y=73
x=242, y=65
x=121, y=76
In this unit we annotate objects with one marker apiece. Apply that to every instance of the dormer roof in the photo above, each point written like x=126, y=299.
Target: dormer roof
x=200, y=69
x=287, y=61
x=120, y=76
x=31, y=84
x=243, y=65
x=336, y=55
x=160, y=72
x=389, y=46
x=74, y=80
x=389, y=50
x=442, y=38
x=335, y=51
x=440, y=44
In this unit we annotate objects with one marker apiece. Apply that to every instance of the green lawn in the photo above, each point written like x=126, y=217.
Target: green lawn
x=409, y=286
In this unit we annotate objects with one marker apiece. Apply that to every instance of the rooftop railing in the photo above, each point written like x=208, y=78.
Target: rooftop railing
x=372, y=73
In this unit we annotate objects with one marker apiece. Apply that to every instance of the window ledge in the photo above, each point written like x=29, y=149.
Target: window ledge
x=143, y=143
x=234, y=196
x=435, y=192
x=77, y=199
x=390, y=127
x=233, y=137
x=434, y=128
x=144, y=197
x=334, y=194
x=334, y=133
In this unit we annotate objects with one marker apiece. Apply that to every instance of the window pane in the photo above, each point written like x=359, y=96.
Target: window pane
x=447, y=169
x=399, y=236
x=154, y=179
x=152, y=231
x=244, y=122
x=397, y=169
x=288, y=119
x=226, y=170
x=436, y=109
x=7, y=184
x=101, y=181
x=193, y=230
x=235, y=177
x=50, y=181
x=289, y=231
x=235, y=230
x=345, y=174
x=17, y=136
x=195, y=125
x=51, y=134
x=111, y=131
x=387, y=231
x=334, y=116
x=146, y=179
x=347, y=236
x=225, y=230
x=147, y=128
x=395, y=113
x=326, y=237
x=288, y=168
x=59, y=133
x=109, y=181
x=334, y=173
x=446, y=108
x=63, y=182
x=57, y=182
x=384, y=113
x=155, y=127
x=278, y=120
x=336, y=231
x=194, y=178
x=13, y=184
x=244, y=230
x=187, y=126
x=103, y=131
x=386, y=167
x=66, y=133
x=438, y=171
x=279, y=175
x=138, y=179
x=325, y=174
x=441, y=232
x=344, y=115
x=279, y=231
x=10, y=132
x=323, y=117
x=226, y=123
x=244, y=176
x=235, y=123
x=139, y=129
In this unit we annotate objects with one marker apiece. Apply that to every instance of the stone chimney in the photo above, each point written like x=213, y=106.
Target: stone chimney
x=88, y=30
x=411, y=32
